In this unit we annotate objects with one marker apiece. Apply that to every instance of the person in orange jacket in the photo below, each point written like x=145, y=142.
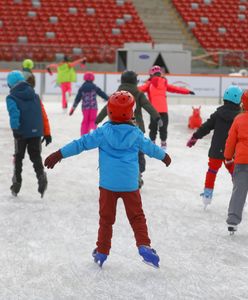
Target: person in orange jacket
x=156, y=87
x=236, y=150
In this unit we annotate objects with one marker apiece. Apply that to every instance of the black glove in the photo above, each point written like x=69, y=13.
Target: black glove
x=167, y=160
x=49, y=71
x=47, y=138
x=191, y=93
x=16, y=134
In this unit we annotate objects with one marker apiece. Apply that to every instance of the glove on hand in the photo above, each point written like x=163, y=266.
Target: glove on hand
x=71, y=111
x=53, y=159
x=192, y=93
x=166, y=160
x=47, y=138
x=160, y=122
x=16, y=134
x=191, y=142
x=49, y=71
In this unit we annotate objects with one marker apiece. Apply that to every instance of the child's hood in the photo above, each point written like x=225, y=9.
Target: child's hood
x=228, y=111
x=23, y=91
x=158, y=82
x=120, y=136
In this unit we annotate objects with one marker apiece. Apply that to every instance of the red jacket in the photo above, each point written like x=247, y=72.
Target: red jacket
x=156, y=89
x=237, y=141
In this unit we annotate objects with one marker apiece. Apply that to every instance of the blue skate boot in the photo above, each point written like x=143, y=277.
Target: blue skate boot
x=99, y=258
x=149, y=255
x=207, y=197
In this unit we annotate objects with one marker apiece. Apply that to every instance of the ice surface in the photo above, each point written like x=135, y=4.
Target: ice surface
x=46, y=244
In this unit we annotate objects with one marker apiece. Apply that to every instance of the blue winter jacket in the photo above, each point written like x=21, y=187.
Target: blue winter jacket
x=87, y=94
x=25, y=110
x=119, y=145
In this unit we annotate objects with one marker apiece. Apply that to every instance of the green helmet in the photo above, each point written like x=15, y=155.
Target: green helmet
x=28, y=64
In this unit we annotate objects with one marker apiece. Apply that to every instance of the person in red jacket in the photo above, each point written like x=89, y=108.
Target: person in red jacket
x=156, y=87
x=236, y=150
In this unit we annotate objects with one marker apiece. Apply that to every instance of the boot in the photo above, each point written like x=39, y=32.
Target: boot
x=15, y=188
x=42, y=184
x=149, y=256
x=163, y=145
x=207, y=197
x=99, y=258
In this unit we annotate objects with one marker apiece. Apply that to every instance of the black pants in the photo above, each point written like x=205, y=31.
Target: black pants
x=162, y=130
x=33, y=146
x=142, y=162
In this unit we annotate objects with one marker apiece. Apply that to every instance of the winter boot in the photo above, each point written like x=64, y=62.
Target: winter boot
x=141, y=181
x=149, y=256
x=99, y=258
x=163, y=145
x=42, y=184
x=207, y=197
x=232, y=228
x=15, y=188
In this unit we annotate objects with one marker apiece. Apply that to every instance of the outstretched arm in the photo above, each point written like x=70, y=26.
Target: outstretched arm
x=77, y=62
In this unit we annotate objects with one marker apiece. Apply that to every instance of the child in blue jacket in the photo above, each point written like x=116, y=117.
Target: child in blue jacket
x=119, y=142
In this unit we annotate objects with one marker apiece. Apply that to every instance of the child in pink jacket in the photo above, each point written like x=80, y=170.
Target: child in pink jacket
x=156, y=87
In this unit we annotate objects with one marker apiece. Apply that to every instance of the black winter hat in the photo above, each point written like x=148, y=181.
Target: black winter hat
x=129, y=77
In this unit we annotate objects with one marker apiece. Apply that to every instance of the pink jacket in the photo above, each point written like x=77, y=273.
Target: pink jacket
x=156, y=89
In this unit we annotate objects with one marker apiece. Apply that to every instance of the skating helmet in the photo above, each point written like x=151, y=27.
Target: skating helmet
x=233, y=94
x=244, y=100
x=120, y=106
x=89, y=76
x=14, y=77
x=129, y=77
x=28, y=64
x=154, y=70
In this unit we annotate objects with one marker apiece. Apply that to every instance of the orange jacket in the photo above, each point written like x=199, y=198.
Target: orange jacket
x=156, y=89
x=46, y=126
x=237, y=141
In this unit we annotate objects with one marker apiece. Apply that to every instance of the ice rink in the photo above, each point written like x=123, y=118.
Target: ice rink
x=46, y=244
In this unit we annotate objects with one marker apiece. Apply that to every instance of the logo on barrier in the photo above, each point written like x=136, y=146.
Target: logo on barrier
x=144, y=56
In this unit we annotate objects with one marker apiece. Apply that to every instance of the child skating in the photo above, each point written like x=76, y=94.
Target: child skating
x=220, y=122
x=88, y=95
x=119, y=143
x=29, y=122
x=156, y=88
x=237, y=150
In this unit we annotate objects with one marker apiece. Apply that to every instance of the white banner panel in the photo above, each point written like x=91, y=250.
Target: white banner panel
x=240, y=81
x=203, y=86
x=112, y=83
x=4, y=89
x=51, y=86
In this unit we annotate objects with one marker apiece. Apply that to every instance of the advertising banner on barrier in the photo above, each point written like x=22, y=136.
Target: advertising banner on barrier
x=234, y=80
x=4, y=89
x=51, y=87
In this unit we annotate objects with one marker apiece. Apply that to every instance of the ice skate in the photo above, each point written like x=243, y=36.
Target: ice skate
x=15, y=188
x=99, y=258
x=149, y=255
x=163, y=145
x=232, y=228
x=207, y=197
x=42, y=184
x=141, y=181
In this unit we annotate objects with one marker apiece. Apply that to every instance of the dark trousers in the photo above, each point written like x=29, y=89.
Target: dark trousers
x=33, y=146
x=142, y=162
x=162, y=130
x=107, y=211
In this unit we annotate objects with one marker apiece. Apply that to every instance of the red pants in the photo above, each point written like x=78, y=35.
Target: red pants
x=107, y=212
x=213, y=167
x=65, y=87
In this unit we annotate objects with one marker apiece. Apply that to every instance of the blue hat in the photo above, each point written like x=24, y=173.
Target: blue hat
x=233, y=94
x=14, y=77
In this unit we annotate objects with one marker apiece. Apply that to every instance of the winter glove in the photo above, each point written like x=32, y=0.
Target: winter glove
x=160, y=122
x=166, y=160
x=191, y=93
x=71, y=111
x=49, y=71
x=47, y=138
x=53, y=159
x=16, y=134
x=191, y=142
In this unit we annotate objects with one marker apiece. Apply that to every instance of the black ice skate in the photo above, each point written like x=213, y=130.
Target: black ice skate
x=141, y=181
x=15, y=188
x=232, y=228
x=42, y=184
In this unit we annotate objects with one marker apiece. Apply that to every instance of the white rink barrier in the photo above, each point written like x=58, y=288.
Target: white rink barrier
x=204, y=86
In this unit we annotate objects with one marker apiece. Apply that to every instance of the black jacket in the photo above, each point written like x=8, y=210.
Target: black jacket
x=220, y=122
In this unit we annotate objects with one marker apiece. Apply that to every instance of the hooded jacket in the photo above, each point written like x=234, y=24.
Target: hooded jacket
x=220, y=122
x=156, y=88
x=141, y=102
x=118, y=145
x=25, y=111
x=237, y=141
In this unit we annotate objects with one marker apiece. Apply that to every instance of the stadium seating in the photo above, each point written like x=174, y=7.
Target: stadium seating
x=97, y=27
x=218, y=25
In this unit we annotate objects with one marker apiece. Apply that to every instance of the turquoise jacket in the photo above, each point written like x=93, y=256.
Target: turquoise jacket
x=119, y=145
